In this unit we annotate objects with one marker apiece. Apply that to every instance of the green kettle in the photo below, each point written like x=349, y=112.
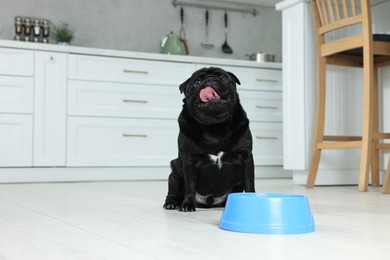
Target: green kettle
x=172, y=44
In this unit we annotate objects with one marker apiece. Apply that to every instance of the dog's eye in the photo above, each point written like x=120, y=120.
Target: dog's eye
x=197, y=82
x=224, y=78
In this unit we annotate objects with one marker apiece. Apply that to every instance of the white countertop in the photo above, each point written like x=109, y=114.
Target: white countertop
x=137, y=55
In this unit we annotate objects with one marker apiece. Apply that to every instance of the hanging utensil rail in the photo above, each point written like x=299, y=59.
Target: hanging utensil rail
x=254, y=11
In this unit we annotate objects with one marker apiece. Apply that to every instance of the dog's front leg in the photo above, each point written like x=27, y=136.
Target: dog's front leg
x=248, y=171
x=190, y=179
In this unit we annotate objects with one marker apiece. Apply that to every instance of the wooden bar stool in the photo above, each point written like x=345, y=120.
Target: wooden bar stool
x=386, y=182
x=361, y=50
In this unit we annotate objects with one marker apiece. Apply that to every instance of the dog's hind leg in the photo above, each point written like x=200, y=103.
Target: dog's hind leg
x=175, y=187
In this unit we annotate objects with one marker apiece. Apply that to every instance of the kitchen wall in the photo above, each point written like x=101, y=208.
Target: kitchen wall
x=380, y=20
x=138, y=25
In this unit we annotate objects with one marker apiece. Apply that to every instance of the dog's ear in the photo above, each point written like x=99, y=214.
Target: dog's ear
x=183, y=86
x=234, y=77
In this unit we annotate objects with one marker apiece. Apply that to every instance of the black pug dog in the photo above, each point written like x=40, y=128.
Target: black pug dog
x=215, y=143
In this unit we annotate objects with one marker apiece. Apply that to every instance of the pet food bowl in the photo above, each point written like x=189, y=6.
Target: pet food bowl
x=267, y=213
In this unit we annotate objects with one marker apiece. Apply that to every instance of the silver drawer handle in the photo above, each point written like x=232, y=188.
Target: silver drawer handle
x=266, y=137
x=135, y=71
x=266, y=80
x=135, y=135
x=135, y=101
x=268, y=107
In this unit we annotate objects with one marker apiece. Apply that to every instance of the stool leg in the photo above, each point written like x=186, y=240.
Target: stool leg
x=386, y=182
x=320, y=122
x=366, y=151
x=375, y=117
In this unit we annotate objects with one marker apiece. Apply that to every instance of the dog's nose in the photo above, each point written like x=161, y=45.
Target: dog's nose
x=208, y=80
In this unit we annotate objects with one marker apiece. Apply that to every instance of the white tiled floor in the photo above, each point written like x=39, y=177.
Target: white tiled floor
x=125, y=220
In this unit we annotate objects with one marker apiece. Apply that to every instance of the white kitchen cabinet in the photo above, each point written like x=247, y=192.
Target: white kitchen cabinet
x=16, y=62
x=262, y=106
x=15, y=140
x=96, y=142
x=50, y=109
x=77, y=114
x=267, y=143
x=123, y=112
x=108, y=69
x=16, y=107
x=93, y=98
x=16, y=94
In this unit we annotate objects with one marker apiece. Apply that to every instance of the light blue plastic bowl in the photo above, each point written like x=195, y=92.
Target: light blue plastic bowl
x=267, y=213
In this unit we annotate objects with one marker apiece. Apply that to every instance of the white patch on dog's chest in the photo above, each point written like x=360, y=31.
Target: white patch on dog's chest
x=217, y=159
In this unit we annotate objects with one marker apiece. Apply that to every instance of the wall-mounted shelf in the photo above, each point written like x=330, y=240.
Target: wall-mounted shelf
x=253, y=11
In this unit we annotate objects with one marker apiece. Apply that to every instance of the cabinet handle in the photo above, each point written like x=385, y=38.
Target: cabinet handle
x=135, y=135
x=266, y=137
x=266, y=80
x=135, y=101
x=268, y=107
x=135, y=71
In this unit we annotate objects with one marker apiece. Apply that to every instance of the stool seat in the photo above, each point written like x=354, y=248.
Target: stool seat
x=376, y=38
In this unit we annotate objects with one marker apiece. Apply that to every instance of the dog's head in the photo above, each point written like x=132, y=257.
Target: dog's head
x=210, y=95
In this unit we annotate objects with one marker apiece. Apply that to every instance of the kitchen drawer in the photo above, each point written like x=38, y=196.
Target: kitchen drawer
x=16, y=140
x=128, y=70
x=255, y=78
x=88, y=98
x=16, y=94
x=262, y=105
x=121, y=142
x=267, y=143
x=16, y=62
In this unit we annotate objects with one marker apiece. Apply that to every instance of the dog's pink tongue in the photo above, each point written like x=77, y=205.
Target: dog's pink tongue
x=208, y=93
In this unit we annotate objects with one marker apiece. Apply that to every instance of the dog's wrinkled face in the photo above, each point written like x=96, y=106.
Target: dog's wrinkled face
x=210, y=95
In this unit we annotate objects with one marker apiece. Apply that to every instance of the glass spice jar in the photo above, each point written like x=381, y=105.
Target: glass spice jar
x=18, y=25
x=45, y=28
x=27, y=26
x=37, y=27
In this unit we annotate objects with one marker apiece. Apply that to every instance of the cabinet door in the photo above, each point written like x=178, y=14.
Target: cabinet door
x=15, y=140
x=16, y=94
x=108, y=142
x=16, y=62
x=267, y=143
x=263, y=106
x=50, y=109
x=108, y=99
x=110, y=69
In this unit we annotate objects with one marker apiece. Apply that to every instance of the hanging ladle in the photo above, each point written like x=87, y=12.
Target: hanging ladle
x=225, y=47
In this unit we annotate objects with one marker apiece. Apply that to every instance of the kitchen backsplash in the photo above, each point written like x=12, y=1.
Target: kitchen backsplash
x=138, y=25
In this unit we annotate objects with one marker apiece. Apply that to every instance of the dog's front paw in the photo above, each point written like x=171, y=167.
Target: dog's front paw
x=187, y=207
x=171, y=204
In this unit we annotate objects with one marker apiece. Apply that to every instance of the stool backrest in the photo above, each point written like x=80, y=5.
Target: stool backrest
x=332, y=15
x=336, y=14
